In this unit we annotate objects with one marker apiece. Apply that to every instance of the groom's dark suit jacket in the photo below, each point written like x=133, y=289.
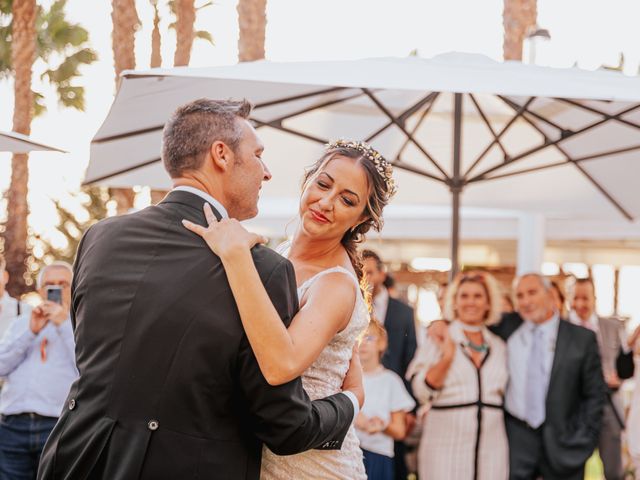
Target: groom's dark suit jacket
x=169, y=387
x=575, y=396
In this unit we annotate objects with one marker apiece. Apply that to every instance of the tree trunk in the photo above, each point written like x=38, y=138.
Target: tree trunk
x=23, y=55
x=125, y=23
x=252, y=20
x=518, y=18
x=185, y=31
x=156, y=56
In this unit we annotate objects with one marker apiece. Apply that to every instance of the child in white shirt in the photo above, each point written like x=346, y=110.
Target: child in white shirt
x=382, y=418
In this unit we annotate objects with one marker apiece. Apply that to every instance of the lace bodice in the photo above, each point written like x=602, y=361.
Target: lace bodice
x=324, y=378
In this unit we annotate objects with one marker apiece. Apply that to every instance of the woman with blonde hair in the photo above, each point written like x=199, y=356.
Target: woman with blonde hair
x=462, y=373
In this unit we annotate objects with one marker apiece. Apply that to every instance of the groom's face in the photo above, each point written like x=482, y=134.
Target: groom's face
x=246, y=175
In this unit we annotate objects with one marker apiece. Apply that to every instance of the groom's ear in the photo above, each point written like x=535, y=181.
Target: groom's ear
x=221, y=155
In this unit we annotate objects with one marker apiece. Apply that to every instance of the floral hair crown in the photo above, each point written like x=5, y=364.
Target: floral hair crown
x=383, y=167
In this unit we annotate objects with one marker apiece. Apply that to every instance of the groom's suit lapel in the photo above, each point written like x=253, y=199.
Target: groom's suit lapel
x=191, y=200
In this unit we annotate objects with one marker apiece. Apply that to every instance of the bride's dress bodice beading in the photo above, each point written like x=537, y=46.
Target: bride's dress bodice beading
x=322, y=379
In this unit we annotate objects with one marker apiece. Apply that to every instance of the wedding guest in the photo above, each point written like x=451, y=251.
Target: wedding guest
x=396, y=316
x=554, y=398
x=462, y=372
x=38, y=363
x=390, y=284
x=398, y=320
x=614, y=349
x=555, y=393
x=382, y=418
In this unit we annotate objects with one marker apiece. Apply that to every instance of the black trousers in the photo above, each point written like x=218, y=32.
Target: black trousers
x=400, y=466
x=527, y=460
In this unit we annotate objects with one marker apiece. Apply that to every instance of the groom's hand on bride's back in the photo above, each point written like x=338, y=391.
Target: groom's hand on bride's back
x=353, y=379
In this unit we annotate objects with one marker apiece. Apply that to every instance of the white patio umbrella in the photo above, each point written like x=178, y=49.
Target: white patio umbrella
x=18, y=143
x=565, y=142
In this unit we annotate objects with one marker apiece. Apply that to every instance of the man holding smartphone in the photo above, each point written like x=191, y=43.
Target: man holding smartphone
x=37, y=360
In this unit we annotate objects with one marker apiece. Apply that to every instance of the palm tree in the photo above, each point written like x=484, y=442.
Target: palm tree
x=252, y=20
x=33, y=33
x=156, y=41
x=23, y=54
x=125, y=23
x=519, y=17
x=185, y=32
x=185, y=13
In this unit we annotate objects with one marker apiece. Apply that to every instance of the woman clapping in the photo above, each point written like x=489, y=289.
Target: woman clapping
x=462, y=373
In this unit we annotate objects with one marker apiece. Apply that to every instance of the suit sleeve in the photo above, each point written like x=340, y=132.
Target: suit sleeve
x=593, y=389
x=283, y=417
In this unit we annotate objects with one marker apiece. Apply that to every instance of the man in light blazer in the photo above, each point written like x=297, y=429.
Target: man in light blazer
x=615, y=354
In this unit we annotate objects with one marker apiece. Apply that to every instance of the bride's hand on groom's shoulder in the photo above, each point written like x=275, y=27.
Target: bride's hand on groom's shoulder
x=226, y=237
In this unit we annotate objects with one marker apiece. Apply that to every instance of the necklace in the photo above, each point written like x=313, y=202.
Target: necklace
x=481, y=348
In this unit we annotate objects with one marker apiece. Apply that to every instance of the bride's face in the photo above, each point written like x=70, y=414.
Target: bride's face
x=335, y=199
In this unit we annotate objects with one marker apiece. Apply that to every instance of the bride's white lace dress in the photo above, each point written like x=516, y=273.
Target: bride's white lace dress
x=323, y=378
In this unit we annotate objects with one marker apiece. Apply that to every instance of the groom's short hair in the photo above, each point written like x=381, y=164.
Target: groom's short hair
x=193, y=127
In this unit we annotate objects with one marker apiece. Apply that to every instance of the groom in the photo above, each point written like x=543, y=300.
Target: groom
x=169, y=387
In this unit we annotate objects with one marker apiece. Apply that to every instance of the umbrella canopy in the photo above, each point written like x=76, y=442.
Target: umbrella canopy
x=564, y=142
x=19, y=143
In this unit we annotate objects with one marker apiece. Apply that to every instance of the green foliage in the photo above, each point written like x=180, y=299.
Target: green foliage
x=204, y=35
x=57, y=39
x=72, y=226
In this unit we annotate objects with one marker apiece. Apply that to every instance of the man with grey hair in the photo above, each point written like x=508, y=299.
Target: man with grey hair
x=10, y=308
x=169, y=387
x=38, y=362
x=556, y=391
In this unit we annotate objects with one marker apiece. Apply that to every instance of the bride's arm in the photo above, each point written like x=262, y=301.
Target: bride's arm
x=285, y=354
x=282, y=354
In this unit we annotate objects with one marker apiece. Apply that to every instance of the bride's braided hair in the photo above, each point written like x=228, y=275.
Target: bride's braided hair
x=381, y=189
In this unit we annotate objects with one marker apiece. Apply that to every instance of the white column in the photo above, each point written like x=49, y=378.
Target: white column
x=531, y=240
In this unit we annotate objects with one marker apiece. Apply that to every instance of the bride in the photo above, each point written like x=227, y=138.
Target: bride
x=343, y=196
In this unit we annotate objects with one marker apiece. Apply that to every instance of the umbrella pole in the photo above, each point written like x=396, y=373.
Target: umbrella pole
x=456, y=185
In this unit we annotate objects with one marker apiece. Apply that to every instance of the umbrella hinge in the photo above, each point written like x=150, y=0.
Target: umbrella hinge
x=456, y=184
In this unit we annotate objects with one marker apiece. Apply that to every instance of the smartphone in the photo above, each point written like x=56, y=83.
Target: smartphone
x=54, y=294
